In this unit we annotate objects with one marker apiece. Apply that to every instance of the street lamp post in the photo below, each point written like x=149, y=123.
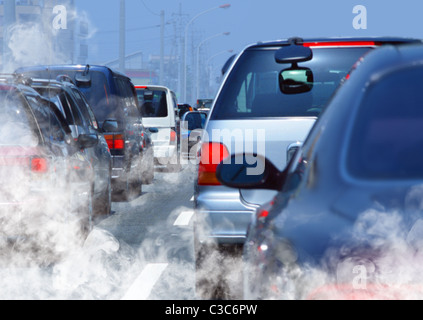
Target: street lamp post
x=198, y=59
x=122, y=36
x=224, y=6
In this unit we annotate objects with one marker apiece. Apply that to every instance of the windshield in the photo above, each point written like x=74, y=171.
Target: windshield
x=387, y=139
x=252, y=89
x=153, y=103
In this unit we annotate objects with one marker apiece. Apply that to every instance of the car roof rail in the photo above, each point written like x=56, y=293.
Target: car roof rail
x=15, y=78
x=44, y=81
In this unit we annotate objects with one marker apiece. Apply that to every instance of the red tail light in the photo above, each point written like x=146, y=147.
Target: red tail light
x=115, y=141
x=39, y=165
x=212, y=154
x=341, y=44
x=173, y=136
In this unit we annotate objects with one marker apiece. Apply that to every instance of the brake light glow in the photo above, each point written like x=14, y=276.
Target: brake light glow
x=173, y=136
x=341, y=44
x=115, y=141
x=212, y=154
x=39, y=165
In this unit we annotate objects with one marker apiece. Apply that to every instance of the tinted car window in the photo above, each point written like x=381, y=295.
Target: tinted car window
x=50, y=121
x=387, y=140
x=153, y=103
x=85, y=108
x=252, y=89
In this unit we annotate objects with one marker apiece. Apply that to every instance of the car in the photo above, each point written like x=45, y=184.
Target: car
x=158, y=104
x=346, y=221
x=113, y=100
x=191, y=131
x=182, y=109
x=147, y=154
x=81, y=119
x=204, y=105
x=271, y=96
x=45, y=195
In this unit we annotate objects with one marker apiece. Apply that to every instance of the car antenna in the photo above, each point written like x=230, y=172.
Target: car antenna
x=87, y=69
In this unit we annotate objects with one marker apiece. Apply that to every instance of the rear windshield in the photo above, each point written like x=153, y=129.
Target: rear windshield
x=153, y=103
x=17, y=125
x=387, y=140
x=252, y=89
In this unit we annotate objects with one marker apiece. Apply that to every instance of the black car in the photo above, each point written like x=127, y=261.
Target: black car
x=346, y=223
x=113, y=99
x=45, y=194
x=81, y=119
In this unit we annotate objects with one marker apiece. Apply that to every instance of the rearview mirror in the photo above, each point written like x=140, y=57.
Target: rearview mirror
x=296, y=80
x=248, y=171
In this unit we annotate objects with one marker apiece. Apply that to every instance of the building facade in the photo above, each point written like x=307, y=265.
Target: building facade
x=42, y=31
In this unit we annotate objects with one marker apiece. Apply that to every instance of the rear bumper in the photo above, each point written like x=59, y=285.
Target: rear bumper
x=222, y=216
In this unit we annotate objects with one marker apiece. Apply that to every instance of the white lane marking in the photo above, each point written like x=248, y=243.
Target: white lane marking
x=192, y=199
x=184, y=218
x=141, y=288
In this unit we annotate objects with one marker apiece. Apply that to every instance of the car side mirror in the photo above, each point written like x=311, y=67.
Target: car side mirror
x=153, y=130
x=193, y=120
x=248, y=171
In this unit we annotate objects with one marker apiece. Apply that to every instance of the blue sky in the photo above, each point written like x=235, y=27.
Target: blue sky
x=247, y=21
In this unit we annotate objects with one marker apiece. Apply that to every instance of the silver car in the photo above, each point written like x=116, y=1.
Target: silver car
x=270, y=98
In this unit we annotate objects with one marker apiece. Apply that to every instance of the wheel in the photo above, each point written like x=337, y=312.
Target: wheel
x=148, y=173
x=132, y=185
x=86, y=221
x=103, y=205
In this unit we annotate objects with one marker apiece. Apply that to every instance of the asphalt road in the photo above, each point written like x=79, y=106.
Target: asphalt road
x=144, y=250
x=157, y=225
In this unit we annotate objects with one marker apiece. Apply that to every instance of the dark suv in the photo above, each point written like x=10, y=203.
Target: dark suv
x=46, y=178
x=81, y=119
x=112, y=97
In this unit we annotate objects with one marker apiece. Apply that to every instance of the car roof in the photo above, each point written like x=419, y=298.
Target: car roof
x=70, y=67
x=386, y=59
x=338, y=40
x=151, y=87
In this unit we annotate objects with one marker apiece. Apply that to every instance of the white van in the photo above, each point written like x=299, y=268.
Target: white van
x=157, y=105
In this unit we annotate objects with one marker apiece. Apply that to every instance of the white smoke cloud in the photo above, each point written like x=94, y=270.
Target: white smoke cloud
x=383, y=264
